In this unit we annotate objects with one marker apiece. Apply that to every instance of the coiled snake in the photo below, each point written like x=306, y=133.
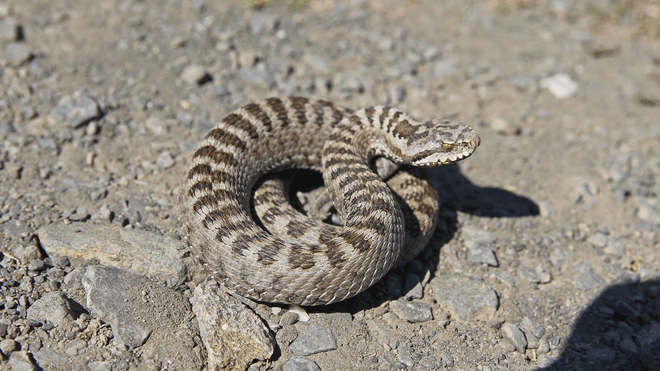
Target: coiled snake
x=286, y=256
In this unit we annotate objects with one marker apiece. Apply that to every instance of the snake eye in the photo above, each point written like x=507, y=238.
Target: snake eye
x=447, y=147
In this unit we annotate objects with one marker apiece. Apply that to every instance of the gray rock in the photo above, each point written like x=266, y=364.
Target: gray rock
x=16, y=229
x=557, y=258
x=262, y=22
x=313, y=339
x=586, y=278
x=256, y=76
x=156, y=125
x=147, y=253
x=598, y=239
x=628, y=346
x=413, y=288
x=474, y=237
x=195, y=75
x=649, y=347
x=512, y=333
x=504, y=127
x=482, y=255
x=9, y=30
x=318, y=63
x=27, y=253
x=49, y=359
x=300, y=364
x=165, y=160
x=17, y=53
x=75, y=110
x=144, y=314
x=560, y=85
x=233, y=334
x=288, y=318
x=8, y=346
x=468, y=297
x=601, y=354
x=53, y=307
x=528, y=274
x=412, y=311
x=21, y=361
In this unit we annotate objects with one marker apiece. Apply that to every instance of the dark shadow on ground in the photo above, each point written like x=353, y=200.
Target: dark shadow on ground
x=620, y=330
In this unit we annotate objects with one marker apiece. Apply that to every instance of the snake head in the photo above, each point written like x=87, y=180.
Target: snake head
x=439, y=142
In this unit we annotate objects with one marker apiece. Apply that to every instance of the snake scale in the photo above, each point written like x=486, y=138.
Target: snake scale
x=286, y=256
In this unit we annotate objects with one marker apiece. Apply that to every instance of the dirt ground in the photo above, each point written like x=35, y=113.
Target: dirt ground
x=546, y=256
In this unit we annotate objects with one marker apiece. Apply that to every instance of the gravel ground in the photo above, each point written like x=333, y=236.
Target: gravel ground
x=546, y=255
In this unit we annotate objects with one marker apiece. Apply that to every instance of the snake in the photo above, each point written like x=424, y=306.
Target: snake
x=239, y=223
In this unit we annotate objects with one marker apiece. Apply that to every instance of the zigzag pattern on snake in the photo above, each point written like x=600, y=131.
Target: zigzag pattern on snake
x=287, y=257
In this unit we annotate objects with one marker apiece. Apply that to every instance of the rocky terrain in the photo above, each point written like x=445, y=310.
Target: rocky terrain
x=546, y=255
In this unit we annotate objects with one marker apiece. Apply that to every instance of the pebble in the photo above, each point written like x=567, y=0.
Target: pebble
x=165, y=160
x=601, y=354
x=649, y=347
x=75, y=110
x=528, y=274
x=468, y=297
x=598, y=239
x=560, y=85
x=156, y=125
x=256, y=76
x=413, y=288
x=288, y=318
x=482, y=255
x=313, y=339
x=586, y=279
x=412, y=311
x=8, y=30
x=512, y=333
x=474, y=237
x=53, y=307
x=17, y=53
x=317, y=63
x=148, y=253
x=21, y=361
x=300, y=364
x=8, y=346
x=232, y=333
x=262, y=23
x=195, y=74
x=504, y=127
x=628, y=346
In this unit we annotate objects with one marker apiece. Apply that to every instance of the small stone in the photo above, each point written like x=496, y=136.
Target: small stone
x=587, y=279
x=512, y=333
x=546, y=209
x=560, y=85
x=53, y=307
x=473, y=236
x=413, y=288
x=165, y=160
x=614, y=247
x=628, y=346
x=412, y=311
x=313, y=339
x=300, y=364
x=288, y=318
x=598, y=239
x=303, y=316
x=9, y=30
x=7, y=346
x=156, y=125
x=256, y=76
x=468, y=297
x=504, y=127
x=27, y=253
x=397, y=93
x=528, y=274
x=601, y=354
x=317, y=62
x=649, y=347
x=21, y=361
x=557, y=258
x=482, y=255
x=262, y=22
x=17, y=53
x=195, y=74
x=75, y=110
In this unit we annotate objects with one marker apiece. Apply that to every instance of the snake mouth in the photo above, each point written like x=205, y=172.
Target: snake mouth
x=446, y=154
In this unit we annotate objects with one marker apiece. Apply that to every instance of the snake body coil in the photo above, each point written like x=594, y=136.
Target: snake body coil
x=294, y=259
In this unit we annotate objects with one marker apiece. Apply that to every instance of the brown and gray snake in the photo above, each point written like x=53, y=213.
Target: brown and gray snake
x=286, y=256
